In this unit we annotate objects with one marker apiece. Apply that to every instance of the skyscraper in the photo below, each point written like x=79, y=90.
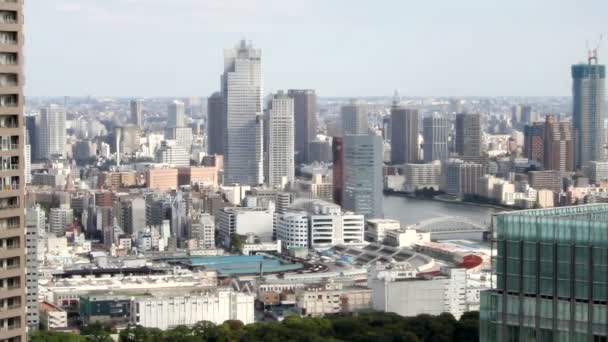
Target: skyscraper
x=12, y=218
x=242, y=88
x=305, y=112
x=176, y=113
x=551, y=276
x=137, y=113
x=354, y=118
x=558, y=145
x=589, y=112
x=279, y=135
x=52, y=132
x=337, y=153
x=404, y=135
x=534, y=142
x=469, y=136
x=435, y=130
x=216, y=124
x=362, y=192
x=32, y=123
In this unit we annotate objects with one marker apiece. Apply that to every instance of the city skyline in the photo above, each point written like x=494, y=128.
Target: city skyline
x=471, y=49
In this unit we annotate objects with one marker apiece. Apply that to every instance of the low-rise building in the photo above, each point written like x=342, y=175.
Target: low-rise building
x=52, y=316
x=215, y=306
x=375, y=229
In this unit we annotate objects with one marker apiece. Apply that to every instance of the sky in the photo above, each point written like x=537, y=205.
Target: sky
x=148, y=48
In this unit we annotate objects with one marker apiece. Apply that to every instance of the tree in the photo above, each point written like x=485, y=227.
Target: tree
x=237, y=242
x=54, y=336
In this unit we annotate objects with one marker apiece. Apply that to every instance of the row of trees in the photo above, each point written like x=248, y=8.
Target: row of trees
x=367, y=327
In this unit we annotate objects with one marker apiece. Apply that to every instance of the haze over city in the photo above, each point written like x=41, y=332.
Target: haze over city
x=341, y=48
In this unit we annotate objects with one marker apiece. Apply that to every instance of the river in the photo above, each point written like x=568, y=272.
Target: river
x=412, y=210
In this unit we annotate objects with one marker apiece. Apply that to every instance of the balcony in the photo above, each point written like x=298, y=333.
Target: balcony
x=8, y=80
x=11, y=100
x=8, y=58
x=9, y=187
x=9, y=224
x=10, y=204
x=8, y=17
x=8, y=38
x=9, y=121
x=9, y=167
x=8, y=146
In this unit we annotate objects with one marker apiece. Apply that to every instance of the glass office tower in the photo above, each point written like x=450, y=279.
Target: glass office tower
x=551, y=276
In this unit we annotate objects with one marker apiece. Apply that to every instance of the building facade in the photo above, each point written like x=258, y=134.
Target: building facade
x=362, y=192
x=216, y=125
x=242, y=88
x=435, y=130
x=404, y=135
x=589, y=112
x=305, y=113
x=52, y=132
x=551, y=280
x=279, y=136
x=558, y=145
x=354, y=118
x=12, y=215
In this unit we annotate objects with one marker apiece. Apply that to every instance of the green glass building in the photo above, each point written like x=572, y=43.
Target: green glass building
x=551, y=271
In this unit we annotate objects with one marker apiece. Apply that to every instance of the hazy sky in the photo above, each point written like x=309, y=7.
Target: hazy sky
x=339, y=47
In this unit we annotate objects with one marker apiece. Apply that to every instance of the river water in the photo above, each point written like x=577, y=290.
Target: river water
x=413, y=210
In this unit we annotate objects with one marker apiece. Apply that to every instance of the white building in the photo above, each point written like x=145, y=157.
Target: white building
x=279, y=136
x=171, y=153
x=420, y=176
x=329, y=226
x=52, y=132
x=216, y=307
x=375, y=229
x=242, y=87
x=203, y=230
x=52, y=316
x=413, y=296
x=598, y=171
x=292, y=229
x=176, y=114
x=243, y=221
x=60, y=219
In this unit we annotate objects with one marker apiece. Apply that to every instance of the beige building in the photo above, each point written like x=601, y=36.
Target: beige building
x=546, y=198
x=117, y=180
x=198, y=175
x=12, y=250
x=162, y=179
x=52, y=316
x=332, y=298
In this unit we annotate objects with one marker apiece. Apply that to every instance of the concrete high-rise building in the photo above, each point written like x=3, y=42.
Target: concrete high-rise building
x=216, y=124
x=558, y=145
x=12, y=214
x=589, y=112
x=436, y=130
x=469, y=136
x=60, y=219
x=354, y=118
x=534, y=142
x=176, y=111
x=279, y=135
x=137, y=113
x=404, y=135
x=172, y=154
x=598, y=172
x=550, y=280
x=305, y=113
x=32, y=130
x=362, y=192
x=242, y=88
x=463, y=178
x=35, y=225
x=52, y=132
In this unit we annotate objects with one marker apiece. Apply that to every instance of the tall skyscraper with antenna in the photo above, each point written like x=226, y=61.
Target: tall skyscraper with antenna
x=589, y=111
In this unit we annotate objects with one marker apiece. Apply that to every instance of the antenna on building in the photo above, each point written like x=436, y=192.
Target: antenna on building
x=396, y=97
x=593, y=53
